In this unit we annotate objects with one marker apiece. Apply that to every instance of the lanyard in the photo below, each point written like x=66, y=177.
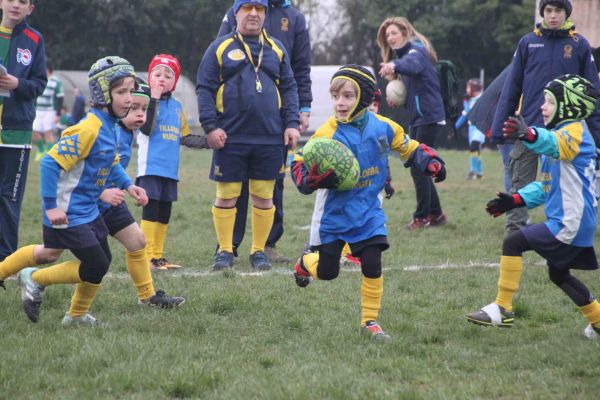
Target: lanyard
x=249, y=55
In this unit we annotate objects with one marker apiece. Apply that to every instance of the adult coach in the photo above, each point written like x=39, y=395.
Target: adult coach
x=248, y=105
x=287, y=24
x=554, y=48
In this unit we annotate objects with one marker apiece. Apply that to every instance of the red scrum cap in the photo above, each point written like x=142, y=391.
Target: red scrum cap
x=169, y=61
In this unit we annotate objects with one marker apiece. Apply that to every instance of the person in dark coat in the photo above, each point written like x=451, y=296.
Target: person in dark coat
x=554, y=48
x=408, y=53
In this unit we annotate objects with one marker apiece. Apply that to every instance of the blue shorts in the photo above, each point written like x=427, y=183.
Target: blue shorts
x=77, y=237
x=240, y=162
x=158, y=187
x=558, y=254
x=117, y=218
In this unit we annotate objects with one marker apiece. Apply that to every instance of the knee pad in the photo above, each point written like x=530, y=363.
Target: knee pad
x=370, y=260
x=93, y=273
x=229, y=190
x=262, y=189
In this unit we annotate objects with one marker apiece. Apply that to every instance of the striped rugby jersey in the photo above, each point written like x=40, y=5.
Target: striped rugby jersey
x=53, y=90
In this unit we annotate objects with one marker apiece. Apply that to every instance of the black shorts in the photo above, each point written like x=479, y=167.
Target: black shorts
x=335, y=248
x=558, y=254
x=158, y=187
x=77, y=237
x=117, y=218
x=240, y=162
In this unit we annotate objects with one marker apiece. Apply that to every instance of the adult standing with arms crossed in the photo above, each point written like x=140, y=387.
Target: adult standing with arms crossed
x=554, y=48
x=287, y=24
x=23, y=55
x=248, y=105
x=408, y=53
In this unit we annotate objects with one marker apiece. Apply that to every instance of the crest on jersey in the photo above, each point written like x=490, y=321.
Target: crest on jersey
x=236, y=55
x=285, y=24
x=568, y=51
x=24, y=56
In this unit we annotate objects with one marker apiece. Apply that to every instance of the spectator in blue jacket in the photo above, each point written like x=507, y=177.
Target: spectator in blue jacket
x=248, y=105
x=408, y=53
x=287, y=24
x=554, y=48
x=23, y=56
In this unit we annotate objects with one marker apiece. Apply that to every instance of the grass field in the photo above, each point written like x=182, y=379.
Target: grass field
x=257, y=336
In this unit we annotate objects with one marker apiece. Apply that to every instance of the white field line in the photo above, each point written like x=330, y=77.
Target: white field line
x=280, y=271
x=188, y=272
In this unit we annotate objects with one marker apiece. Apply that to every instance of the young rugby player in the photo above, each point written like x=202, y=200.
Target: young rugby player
x=566, y=191
x=356, y=216
x=121, y=224
x=73, y=174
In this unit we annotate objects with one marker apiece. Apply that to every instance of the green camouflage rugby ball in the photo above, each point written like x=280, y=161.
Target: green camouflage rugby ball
x=330, y=153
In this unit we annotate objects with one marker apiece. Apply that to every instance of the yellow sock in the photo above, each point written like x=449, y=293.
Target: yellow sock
x=139, y=270
x=65, y=273
x=346, y=250
x=224, y=220
x=262, y=221
x=371, y=291
x=82, y=299
x=148, y=228
x=160, y=233
x=592, y=313
x=310, y=262
x=508, y=282
x=22, y=258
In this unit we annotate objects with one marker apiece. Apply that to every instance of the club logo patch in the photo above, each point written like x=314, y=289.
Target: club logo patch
x=236, y=55
x=568, y=51
x=285, y=24
x=24, y=56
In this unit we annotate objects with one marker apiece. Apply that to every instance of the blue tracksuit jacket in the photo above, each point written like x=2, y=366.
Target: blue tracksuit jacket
x=541, y=56
x=288, y=25
x=227, y=90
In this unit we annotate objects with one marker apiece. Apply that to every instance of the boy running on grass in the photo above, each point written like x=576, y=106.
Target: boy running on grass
x=356, y=216
x=566, y=239
x=121, y=224
x=73, y=174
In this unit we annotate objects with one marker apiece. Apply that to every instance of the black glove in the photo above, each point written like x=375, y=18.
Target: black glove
x=503, y=203
x=388, y=188
x=516, y=128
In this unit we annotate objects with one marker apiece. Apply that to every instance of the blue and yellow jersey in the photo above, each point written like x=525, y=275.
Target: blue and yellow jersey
x=158, y=154
x=125, y=145
x=75, y=171
x=355, y=215
x=124, y=149
x=567, y=186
